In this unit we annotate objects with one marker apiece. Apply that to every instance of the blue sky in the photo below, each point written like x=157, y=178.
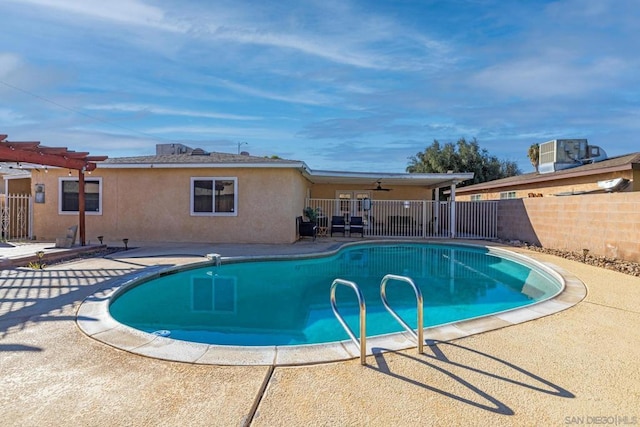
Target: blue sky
x=339, y=84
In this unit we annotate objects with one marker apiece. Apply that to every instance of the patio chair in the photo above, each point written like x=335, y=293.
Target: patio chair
x=337, y=225
x=306, y=228
x=356, y=225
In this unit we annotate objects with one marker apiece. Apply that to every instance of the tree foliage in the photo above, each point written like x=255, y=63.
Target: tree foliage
x=462, y=156
x=534, y=155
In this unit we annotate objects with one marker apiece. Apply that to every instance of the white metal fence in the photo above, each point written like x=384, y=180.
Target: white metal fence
x=411, y=218
x=16, y=216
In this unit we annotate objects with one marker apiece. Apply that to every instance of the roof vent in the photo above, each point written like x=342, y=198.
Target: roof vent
x=199, y=152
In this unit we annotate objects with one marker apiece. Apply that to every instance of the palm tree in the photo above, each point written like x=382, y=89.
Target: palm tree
x=534, y=155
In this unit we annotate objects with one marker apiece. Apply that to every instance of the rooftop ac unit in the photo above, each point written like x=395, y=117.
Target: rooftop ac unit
x=561, y=154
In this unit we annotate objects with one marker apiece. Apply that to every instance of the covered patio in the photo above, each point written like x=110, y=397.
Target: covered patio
x=389, y=206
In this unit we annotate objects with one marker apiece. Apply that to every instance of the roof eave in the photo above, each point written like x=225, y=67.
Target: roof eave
x=149, y=165
x=547, y=178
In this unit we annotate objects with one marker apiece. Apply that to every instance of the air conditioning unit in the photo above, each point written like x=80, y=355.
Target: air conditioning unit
x=561, y=154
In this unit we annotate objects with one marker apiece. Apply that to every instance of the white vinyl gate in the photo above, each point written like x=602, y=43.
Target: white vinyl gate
x=16, y=216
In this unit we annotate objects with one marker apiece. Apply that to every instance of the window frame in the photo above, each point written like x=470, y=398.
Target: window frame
x=61, y=180
x=213, y=212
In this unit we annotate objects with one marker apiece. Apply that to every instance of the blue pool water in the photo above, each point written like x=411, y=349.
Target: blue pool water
x=286, y=302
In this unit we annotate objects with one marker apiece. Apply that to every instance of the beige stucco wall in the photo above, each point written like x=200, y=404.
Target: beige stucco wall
x=606, y=224
x=568, y=185
x=154, y=205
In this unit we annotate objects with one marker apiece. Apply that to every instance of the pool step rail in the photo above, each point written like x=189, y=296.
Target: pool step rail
x=419, y=335
x=362, y=342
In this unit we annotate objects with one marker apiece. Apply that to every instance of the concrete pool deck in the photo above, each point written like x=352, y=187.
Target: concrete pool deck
x=577, y=366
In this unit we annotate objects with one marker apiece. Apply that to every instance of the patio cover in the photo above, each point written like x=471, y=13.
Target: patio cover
x=34, y=153
x=427, y=180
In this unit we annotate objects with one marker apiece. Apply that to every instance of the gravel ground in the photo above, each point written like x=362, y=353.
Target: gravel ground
x=626, y=267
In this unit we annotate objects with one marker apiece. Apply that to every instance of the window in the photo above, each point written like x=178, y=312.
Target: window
x=214, y=196
x=69, y=202
x=508, y=195
x=476, y=197
x=351, y=202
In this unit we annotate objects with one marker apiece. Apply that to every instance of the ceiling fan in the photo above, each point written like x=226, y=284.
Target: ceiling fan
x=379, y=187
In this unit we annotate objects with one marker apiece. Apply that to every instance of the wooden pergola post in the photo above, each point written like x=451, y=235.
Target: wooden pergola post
x=81, y=207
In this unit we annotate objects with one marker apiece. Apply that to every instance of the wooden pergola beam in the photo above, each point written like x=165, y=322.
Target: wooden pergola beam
x=53, y=150
x=41, y=158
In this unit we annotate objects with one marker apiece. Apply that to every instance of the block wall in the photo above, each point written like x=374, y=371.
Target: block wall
x=606, y=224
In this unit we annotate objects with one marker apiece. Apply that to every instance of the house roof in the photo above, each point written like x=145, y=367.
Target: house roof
x=613, y=164
x=226, y=160
x=183, y=160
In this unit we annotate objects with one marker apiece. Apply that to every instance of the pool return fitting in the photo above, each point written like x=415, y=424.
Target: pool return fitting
x=362, y=342
x=216, y=258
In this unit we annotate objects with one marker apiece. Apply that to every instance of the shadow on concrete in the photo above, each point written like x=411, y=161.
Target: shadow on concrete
x=41, y=295
x=492, y=404
x=18, y=347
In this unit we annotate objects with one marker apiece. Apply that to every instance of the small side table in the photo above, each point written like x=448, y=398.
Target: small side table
x=323, y=231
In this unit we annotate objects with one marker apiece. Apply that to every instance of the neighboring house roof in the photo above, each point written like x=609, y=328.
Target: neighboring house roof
x=613, y=164
x=226, y=160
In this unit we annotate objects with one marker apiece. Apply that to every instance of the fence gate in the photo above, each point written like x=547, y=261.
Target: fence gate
x=16, y=216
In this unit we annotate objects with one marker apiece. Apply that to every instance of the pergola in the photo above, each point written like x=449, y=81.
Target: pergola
x=34, y=153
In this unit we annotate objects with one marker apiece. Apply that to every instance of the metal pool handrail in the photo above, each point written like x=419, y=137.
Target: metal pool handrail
x=362, y=344
x=383, y=294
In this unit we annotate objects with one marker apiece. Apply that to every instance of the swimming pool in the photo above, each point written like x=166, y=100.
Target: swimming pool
x=285, y=302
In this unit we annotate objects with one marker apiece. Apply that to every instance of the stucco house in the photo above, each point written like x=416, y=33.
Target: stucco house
x=184, y=194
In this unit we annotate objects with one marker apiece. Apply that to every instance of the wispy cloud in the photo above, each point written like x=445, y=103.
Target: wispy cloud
x=309, y=79
x=128, y=12
x=163, y=111
x=549, y=77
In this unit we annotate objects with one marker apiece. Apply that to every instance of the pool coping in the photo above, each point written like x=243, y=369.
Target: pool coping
x=93, y=319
